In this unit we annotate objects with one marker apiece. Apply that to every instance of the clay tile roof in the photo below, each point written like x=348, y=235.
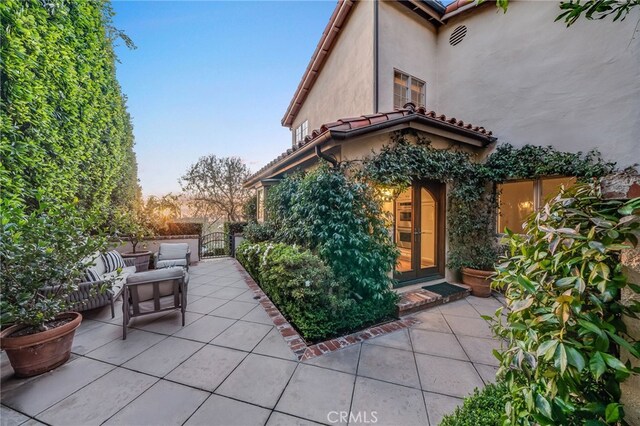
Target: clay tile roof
x=456, y=5
x=372, y=120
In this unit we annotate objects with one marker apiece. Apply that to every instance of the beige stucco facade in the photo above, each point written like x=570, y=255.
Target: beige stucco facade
x=345, y=82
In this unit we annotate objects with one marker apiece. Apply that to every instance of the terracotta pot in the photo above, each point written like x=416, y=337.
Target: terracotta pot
x=141, y=259
x=38, y=353
x=478, y=280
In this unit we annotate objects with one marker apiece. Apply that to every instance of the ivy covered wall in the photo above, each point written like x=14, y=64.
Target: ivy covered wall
x=65, y=130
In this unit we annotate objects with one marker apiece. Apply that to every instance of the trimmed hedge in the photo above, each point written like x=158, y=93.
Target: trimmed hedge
x=230, y=229
x=308, y=294
x=180, y=228
x=484, y=408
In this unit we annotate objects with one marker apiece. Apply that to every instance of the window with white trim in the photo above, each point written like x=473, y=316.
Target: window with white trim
x=407, y=88
x=519, y=199
x=301, y=131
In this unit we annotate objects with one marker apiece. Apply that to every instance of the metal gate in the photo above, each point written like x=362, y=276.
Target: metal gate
x=215, y=244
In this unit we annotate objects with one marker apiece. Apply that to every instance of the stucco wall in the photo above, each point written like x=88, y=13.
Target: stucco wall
x=344, y=85
x=408, y=43
x=532, y=80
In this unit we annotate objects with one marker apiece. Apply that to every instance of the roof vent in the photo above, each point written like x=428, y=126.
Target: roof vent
x=457, y=35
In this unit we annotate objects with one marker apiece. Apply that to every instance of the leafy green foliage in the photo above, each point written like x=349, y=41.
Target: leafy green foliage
x=341, y=220
x=250, y=209
x=47, y=247
x=230, y=229
x=65, y=131
x=307, y=292
x=562, y=281
x=484, y=408
x=591, y=9
x=259, y=232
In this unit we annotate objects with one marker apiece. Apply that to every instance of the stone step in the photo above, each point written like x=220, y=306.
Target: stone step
x=419, y=299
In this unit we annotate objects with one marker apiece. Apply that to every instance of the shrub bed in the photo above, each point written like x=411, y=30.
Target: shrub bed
x=307, y=292
x=484, y=408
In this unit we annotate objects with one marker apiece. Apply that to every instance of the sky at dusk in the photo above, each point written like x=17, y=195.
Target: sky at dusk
x=212, y=77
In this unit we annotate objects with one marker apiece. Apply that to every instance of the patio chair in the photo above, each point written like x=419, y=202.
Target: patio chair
x=172, y=254
x=154, y=291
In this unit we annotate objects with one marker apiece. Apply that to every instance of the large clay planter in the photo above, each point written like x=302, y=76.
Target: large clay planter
x=38, y=353
x=478, y=280
x=141, y=259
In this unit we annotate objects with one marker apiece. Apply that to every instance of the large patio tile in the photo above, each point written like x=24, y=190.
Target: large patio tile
x=207, y=368
x=166, y=324
x=487, y=372
x=313, y=392
x=103, y=313
x=398, y=339
x=241, y=283
x=221, y=411
x=388, y=364
x=120, y=351
x=164, y=403
x=280, y=419
x=229, y=293
x=160, y=359
x=43, y=391
x=345, y=360
x=248, y=296
x=435, y=343
x=32, y=422
x=259, y=380
x=440, y=405
x=274, y=345
x=205, y=305
x=205, y=329
x=9, y=417
x=100, y=400
x=433, y=321
x=387, y=404
x=480, y=350
x=476, y=327
x=87, y=325
x=459, y=308
x=258, y=315
x=203, y=290
x=86, y=342
x=242, y=335
x=233, y=309
x=447, y=376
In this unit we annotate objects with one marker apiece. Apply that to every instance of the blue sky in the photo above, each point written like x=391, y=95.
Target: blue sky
x=212, y=77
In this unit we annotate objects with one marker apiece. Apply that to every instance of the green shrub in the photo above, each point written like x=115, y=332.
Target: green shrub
x=307, y=292
x=259, y=232
x=484, y=408
x=340, y=219
x=562, y=283
x=230, y=229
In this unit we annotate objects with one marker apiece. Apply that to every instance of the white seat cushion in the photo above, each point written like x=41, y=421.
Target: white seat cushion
x=170, y=251
x=171, y=263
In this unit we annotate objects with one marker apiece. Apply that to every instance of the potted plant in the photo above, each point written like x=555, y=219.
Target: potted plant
x=134, y=227
x=46, y=248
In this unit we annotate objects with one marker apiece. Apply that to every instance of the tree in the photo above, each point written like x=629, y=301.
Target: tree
x=591, y=9
x=163, y=210
x=214, y=187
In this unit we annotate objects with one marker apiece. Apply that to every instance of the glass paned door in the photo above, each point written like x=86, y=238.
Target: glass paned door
x=419, y=231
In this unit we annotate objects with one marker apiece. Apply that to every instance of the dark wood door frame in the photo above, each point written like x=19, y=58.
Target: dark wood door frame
x=438, y=192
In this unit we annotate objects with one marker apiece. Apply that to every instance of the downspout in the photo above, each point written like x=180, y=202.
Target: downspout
x=375, y=57
x=320, y=154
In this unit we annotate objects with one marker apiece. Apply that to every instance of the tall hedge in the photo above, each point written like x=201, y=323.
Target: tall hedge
x=65, y=130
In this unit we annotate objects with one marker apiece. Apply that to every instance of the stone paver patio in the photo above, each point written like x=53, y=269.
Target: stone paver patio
x=230, y=366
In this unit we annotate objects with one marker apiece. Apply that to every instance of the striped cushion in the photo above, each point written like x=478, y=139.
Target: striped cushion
x=91, y=275
x=112, y=261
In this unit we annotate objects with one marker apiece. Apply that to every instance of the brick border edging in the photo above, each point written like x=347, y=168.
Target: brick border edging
x=296, y=342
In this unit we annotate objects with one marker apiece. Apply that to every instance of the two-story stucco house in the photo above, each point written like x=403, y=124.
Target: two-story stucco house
x=517, y=77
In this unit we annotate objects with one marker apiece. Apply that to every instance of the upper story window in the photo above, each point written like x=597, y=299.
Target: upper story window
x=407, y=88
x=301, y=131
x=519, y=199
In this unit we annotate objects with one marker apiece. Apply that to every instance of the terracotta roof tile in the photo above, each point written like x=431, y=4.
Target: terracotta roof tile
x=364, y=121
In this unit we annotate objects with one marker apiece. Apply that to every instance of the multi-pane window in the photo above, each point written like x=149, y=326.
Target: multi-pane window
x=301, y=131
x=407, y=88
x=519, y=199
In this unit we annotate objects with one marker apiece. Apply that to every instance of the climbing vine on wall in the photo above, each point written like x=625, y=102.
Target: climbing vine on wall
x=66, y=133
x=472, y=197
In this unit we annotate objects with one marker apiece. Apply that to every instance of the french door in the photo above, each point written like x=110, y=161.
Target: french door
x=419, y=214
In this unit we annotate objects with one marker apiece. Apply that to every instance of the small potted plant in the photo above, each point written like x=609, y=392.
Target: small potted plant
x=134, y=228
x=44, y=255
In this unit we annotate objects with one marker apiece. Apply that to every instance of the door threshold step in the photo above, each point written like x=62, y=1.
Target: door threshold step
x=413, y=301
